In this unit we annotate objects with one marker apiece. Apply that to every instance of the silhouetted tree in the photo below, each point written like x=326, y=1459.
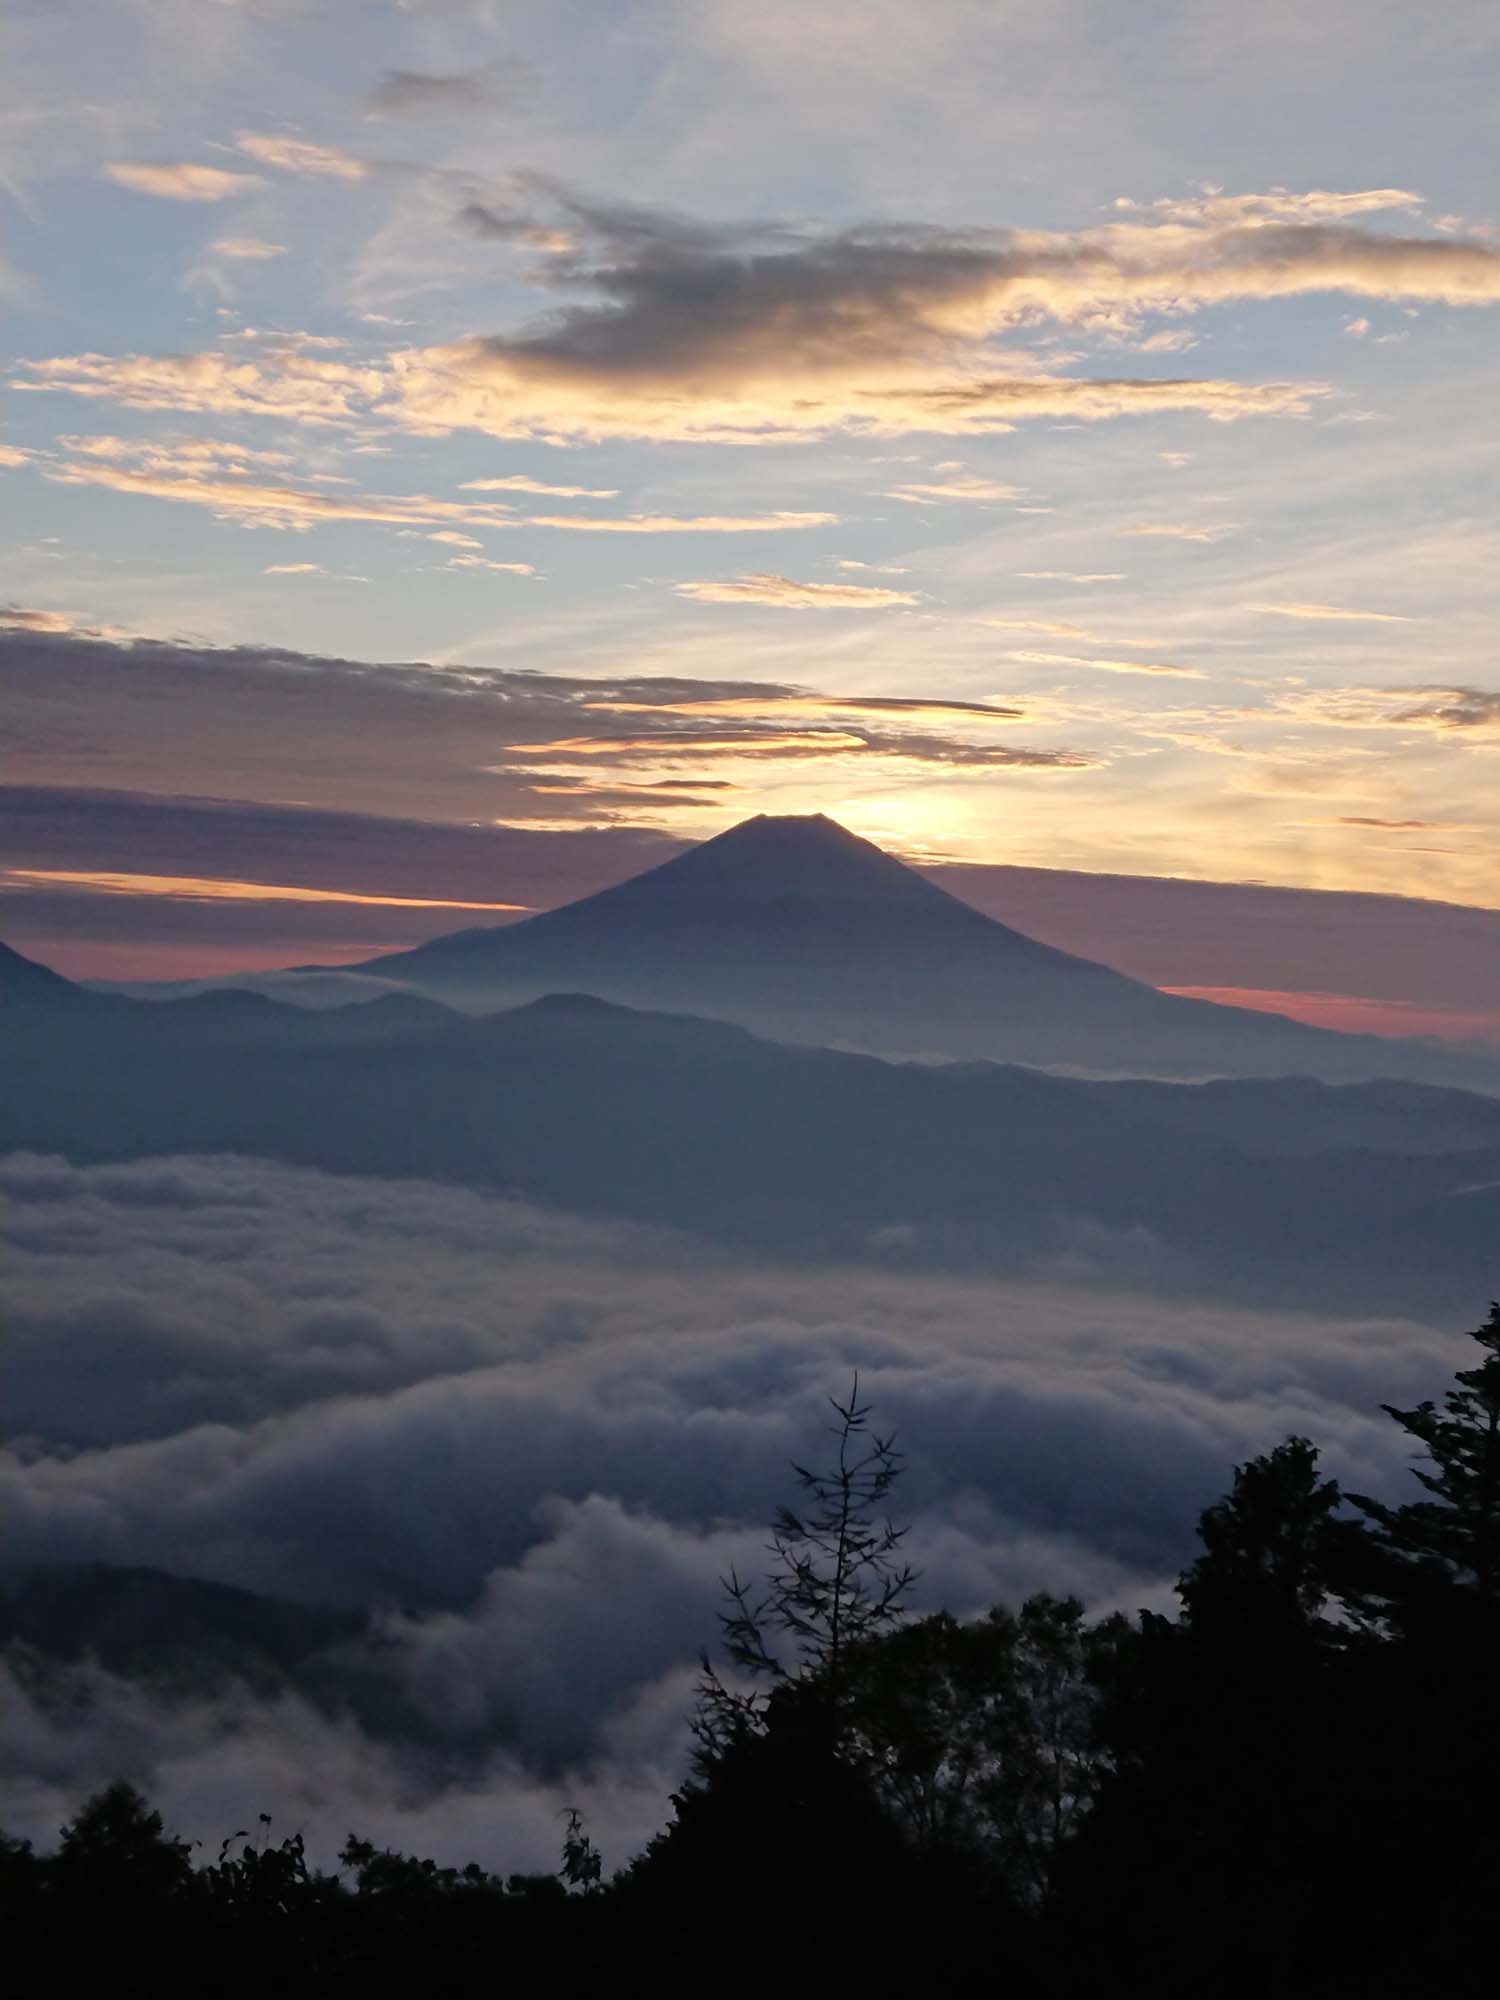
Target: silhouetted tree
x=582, y=1864
x=1264, y=1796
x=1211, y=1863
x=981, y=1738
x=1268, y=1547
x=836, y=1582
x=1450, y=1541
x=117, y=1850
x=19, y=1868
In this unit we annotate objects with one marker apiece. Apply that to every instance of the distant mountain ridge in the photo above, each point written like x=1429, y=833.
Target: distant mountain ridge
x=801, y=930
x=1381, y=1196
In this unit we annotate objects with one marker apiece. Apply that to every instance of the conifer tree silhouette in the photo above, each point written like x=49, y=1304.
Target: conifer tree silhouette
x=1450, y=1540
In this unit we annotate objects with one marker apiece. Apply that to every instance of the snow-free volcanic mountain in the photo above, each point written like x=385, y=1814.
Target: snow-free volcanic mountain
x=797, y=928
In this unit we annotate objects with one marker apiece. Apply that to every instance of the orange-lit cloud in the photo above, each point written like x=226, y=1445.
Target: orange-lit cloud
x=675, y=524
x=1394, y=825
x=488, y=386
x=821, y=742
x=670, y=746
x=246, y=249
x=436, y=390
x=1336, y=612
x=791, y=595
x=295, y=507
x=483, y=562
x=965, y=486
x=517, y=482
x=175, y=454
x=1180, y=531
x=1440, y=710
x=291, y=385
x=1111, y=666
x=180, y=180
x=704, y=332
x=1055, y=628
x=682, y=796
x=277, y=506
x=25, y=618
x=674, y=329
x=808, y=704
x=196, y=888
x=1277, y=205
x=298, y=156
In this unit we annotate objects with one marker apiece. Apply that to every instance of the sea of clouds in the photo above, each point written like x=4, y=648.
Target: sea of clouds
x=531, y=1446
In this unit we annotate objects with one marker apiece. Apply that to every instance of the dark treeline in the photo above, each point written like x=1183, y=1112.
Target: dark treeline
x=1287, y=1789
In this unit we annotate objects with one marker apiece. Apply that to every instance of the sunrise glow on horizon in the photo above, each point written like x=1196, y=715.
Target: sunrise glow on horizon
x=674, y=418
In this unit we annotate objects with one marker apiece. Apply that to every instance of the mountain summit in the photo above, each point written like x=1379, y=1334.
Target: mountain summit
x=797, y=928
x=787, y=855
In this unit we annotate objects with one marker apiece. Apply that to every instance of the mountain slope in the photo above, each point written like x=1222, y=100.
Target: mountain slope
x=35, y=1001
x=798, y=929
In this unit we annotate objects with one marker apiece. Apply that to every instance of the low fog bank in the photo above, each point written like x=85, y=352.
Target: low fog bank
x=530, y=1446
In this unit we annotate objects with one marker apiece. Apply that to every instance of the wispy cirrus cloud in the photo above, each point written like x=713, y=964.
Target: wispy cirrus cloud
x=1332, y=612
x=687, y=743
x=215, y=889
x=483, y=562
x=481, y=386
x=671, y=524
x=1437, y=709
x=1377, y=825
x=414, y=93
x=1181, y=531
x=29, y=618
x=181, y=180
x=1060, y=628
x=967, y=486
x=1072, y=575
x=300, y=156
x=1213, y=206
x=1169, y=340
x=791, y=595
x=518, y=482
x=735, y=742
x=1111, y=666
x=175, y=454
x=252, y=503
x=246, y=249
x=292, y=385
x=778, y=702
x=667, y=795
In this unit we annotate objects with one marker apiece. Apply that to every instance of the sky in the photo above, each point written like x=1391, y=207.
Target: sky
x=452, y=452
